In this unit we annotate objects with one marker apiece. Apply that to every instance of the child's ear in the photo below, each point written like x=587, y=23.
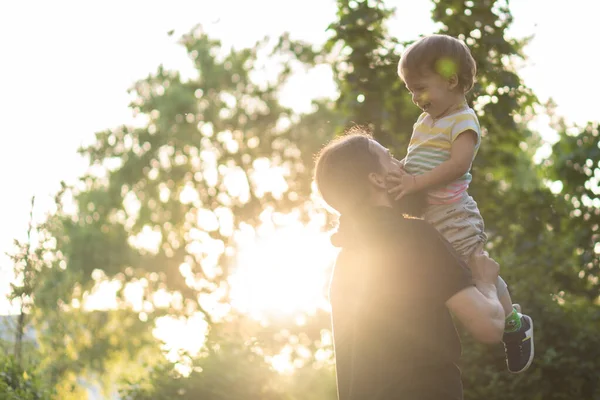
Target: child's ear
x=377, y=180
x=453, y=82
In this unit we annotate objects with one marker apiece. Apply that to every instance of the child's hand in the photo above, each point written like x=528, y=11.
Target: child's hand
x=483, y=267
x=401, y=184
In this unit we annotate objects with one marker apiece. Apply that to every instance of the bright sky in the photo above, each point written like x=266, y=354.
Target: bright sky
x=66, y=66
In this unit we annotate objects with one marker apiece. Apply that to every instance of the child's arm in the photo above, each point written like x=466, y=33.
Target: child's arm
x=461, y=157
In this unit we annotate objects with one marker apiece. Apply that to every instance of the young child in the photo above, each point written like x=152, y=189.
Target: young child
x=439, y=70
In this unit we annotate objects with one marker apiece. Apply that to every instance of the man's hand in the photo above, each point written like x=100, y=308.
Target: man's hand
x=401, y=183
x=479, y=308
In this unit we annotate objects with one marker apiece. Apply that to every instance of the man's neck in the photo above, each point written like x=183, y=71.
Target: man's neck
x=381, y=199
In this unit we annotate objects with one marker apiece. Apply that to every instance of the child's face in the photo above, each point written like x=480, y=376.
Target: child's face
x=431, y=92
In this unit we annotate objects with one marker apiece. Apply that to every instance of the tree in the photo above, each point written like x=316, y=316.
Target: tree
x=189, y=177
x=365, y=63
x=27, y=264
x=574, y=164
x=234, y=364
x=543, y=272
x=161, y=203
x=230, y=369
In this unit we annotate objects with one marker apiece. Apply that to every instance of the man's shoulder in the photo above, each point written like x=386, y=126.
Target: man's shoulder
x=421, y=237
x=391, y=224
x=402, y=229
x=406, y=224
x=399, y=238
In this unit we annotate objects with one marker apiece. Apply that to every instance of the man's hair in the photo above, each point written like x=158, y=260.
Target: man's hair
x=342, y=170
x=442, y=55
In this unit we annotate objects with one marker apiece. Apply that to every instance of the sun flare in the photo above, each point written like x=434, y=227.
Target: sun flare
x=283, y=273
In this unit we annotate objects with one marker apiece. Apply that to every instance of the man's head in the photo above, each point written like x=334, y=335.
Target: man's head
x=350, y=172
x=437, y=70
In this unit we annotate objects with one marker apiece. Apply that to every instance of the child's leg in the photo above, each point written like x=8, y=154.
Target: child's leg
x=504, y=296
x=462, y=225
x=501, y=287
x=518, y=333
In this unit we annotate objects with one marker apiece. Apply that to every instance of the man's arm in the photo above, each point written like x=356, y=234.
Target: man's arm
x=478, y=308
x=469, y=294
x=480, y=311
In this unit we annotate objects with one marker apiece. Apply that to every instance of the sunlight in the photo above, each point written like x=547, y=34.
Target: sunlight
x=181, y=336
x=282, y=362
x=283, y=272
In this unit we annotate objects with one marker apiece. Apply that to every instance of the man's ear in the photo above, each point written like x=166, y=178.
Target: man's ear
x=453, y=82
x=377, y=180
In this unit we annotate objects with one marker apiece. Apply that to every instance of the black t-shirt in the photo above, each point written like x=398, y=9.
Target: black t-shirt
x=394, y=337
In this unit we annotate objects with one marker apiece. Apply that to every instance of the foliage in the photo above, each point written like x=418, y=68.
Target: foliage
x=19, y=384
x=29, y=266
x=365, y=69
x=163, y=203
x=168, y=197
x=575, y=165
x=546, y=253
x=232, y=366
x=189, y=177
x=566, y=357
x=536, y=243
x=229, y=369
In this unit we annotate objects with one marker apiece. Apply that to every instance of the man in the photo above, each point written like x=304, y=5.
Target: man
x=396, y=283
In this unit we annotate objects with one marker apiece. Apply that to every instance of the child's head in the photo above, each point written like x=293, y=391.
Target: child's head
x=438, y=70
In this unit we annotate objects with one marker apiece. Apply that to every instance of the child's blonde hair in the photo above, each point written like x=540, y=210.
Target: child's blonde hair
x=440, y=54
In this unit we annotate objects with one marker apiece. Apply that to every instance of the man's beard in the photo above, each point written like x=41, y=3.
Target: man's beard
x=413, y=204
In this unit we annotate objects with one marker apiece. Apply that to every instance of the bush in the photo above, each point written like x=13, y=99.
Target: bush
x=18, y=384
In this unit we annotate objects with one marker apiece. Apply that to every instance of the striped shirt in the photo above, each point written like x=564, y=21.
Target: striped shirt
x=430, y=146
